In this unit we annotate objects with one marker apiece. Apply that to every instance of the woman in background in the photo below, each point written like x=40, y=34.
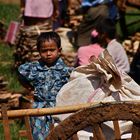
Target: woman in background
x=39, y=11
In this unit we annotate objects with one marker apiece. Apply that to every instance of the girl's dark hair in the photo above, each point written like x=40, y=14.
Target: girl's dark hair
x=46, y=36
x=95, y=39
x=108, y=27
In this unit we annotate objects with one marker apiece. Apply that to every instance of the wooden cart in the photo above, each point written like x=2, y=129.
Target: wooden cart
x=85, y=115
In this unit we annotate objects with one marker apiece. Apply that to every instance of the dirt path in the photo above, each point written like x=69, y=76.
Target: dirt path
x=10, y=1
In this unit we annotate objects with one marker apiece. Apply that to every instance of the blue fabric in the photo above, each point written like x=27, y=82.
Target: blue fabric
x=113, y=11
x=94, y=2
x=47, y=81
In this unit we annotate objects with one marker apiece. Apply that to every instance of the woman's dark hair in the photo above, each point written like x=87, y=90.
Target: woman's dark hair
x=46, y=36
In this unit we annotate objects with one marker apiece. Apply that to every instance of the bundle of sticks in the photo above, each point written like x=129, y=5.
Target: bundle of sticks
x=131, y=45
x=10, y=98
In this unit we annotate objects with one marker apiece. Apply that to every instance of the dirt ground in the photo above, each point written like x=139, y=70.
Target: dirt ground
x=10, y=1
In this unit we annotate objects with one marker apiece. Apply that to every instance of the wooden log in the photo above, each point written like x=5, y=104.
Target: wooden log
x=46, y=111
x=62, y=109
x=5, y=122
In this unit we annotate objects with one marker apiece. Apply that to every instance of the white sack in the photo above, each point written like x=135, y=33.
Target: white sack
x=98, y=81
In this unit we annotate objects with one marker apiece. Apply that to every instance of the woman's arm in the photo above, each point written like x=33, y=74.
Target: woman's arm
x=22, y=7
x=56, y=9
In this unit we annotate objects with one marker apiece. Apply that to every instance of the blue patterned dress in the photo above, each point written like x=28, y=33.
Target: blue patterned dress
x=47, y=81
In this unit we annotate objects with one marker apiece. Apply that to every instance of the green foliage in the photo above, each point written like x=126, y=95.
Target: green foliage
x=132, y=18
x=8, y=12
x=7, y=70
x=133, y=24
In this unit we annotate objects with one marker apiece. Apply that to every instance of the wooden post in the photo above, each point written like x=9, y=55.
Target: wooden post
x=28, y=127
x=75, y=137
x=136, y=131
x=27, y=132
x=5, y=122
x=117, y=130
x=97, y=132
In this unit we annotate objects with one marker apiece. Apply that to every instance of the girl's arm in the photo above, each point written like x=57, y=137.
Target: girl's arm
x=25, y=83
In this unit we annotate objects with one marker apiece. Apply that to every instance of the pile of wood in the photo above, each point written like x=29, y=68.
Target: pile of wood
x=3, y=83
x=11, y=99
x=68, y=51
x=74, y=16
x=134, y=3
x=131, y=45
x=69, y=58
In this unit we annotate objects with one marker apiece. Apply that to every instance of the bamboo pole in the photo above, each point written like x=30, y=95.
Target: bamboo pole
x=46, y=111
x=58, y=110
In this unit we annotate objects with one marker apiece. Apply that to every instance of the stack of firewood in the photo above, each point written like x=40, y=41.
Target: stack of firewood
x=10, y=98
x=75, y=21
x=74, y=16
x=69, y=58
x=3, y=83
x=68, y=51
x=131, y=45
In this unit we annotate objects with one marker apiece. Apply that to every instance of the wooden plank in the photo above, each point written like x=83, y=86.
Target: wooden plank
x=75, y=137
x=5, y=122
x=97, y=132
x=117, y=130
x=22, y=133
x=135, y=132
x=28, y=128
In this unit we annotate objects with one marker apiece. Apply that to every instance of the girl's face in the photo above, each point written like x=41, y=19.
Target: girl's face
x=49, y=52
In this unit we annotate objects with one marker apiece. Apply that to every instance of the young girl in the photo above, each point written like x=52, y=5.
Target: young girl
x=93, y=49
x=45, y=76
